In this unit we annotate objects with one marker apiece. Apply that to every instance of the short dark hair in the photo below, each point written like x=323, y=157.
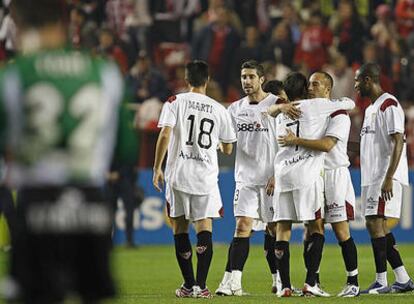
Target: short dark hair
x=273, y=86
x=327, y=77
x=197, y=73
x=371, y=70
x=253, y=64
x=296, y=86
x=37, y=13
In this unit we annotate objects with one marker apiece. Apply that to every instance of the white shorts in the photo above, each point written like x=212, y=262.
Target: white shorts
x=194, y=207
x=299, y=205
x=339, y=196
x=252, y=201
x=373, y=204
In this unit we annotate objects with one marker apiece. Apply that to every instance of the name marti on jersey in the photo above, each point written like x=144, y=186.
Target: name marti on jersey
x=199, y=106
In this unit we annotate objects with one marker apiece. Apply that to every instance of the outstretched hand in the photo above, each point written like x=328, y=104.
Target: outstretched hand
x=158, y=180
x=287, y=140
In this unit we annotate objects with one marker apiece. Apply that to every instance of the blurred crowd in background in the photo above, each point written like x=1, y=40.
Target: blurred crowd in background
x=151, y=40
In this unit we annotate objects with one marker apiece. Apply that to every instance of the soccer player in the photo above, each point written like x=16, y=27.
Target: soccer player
x=60, y=110
x=339, y=192
x=256, y=149
x=299, y=187
x=384, y=172
x=193, y=127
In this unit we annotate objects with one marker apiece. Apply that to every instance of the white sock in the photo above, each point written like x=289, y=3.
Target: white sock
x=382, y=278
x=274, y=278
x=401, y=275
x=226, y=277
x=236, y=276
x=352, y=273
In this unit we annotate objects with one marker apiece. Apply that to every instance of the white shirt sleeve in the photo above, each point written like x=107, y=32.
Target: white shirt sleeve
x=227, y=133
x=168, y=117
x=394, y=120
x=325, y=107
x=339, y=127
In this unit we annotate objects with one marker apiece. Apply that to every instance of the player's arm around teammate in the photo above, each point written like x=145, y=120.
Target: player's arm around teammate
x=339, y=193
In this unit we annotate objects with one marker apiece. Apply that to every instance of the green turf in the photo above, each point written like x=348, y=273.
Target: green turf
x=150, y=274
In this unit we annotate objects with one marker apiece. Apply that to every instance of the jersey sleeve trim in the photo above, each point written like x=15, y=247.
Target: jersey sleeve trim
x=388, y=103
x=228, y=141
x=395, y=131
x=171, y=99
x=339, y=112
x=162, y=125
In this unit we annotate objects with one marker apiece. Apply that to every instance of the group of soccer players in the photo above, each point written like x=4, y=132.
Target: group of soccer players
x=291, y=166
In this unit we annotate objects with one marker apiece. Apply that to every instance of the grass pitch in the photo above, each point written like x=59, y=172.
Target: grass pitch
x=150, y=274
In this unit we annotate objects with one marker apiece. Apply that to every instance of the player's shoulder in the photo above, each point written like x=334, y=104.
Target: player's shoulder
x=387, y=100
x=237, y=103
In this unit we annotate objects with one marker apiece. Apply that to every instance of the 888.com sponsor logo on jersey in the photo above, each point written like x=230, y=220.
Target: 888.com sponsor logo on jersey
x=251, y=127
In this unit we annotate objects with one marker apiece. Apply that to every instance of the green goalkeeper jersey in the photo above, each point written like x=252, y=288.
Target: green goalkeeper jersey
x=59, y=114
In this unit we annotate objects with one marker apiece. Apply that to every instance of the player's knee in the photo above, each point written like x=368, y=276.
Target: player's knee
x=374, y=227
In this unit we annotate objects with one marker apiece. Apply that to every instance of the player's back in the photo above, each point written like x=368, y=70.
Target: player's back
x=62, y=110
x=296, y=166
x=199, y=125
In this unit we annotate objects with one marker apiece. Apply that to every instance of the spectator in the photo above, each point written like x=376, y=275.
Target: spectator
x=404, y=13
x=291, y=16
x=8, y=35
x=312, y=50
x=274, y=70
x=82, y=33
x=116, y=12
x=138, y=23
x=281, y=47
x=384, y=34
x=216, y=43
x=210, y=16
x=107, y=47
x=349, y=30
x=146, y=81
x=250, y=48
x=343, y=77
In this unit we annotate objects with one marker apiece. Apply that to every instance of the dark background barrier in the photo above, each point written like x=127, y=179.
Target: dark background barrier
x=151, y=228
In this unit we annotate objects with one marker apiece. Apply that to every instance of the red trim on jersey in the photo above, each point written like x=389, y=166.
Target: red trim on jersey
x=339, y=112
x=221, y=212
x=280, y=100
x=350, y=214
x=381, y=206
x=168, y=208
x=318, y=214
x=171, y=98
x=388, y=103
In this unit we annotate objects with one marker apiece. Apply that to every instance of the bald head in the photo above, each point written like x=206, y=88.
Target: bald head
x=320, y=85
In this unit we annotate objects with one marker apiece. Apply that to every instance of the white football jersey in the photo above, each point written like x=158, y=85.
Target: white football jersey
x=382, y=118
x=295, y=166
x=339, y=125
x=256, y=140
x=199, y=124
